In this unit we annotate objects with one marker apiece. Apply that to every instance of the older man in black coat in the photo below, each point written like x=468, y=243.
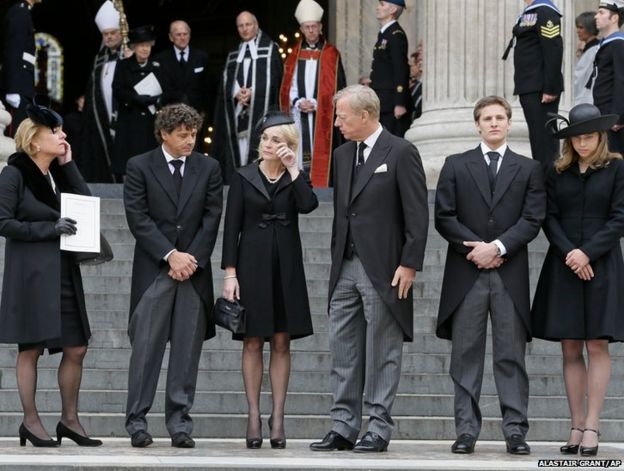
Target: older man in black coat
x=490, y=203
x=173, y=200
x=378, y=244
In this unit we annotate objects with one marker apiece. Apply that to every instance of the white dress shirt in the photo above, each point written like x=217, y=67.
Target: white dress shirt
x=501, y=151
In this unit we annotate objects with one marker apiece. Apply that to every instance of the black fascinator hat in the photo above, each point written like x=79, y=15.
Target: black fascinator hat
x=44, y=116
x=583, y=119
x=274, y=118
x=141, y=34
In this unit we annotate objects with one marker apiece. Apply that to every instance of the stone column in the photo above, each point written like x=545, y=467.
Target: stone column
x=7, y=145
x=464, y=41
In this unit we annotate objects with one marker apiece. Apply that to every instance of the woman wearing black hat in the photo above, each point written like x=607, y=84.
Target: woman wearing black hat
x=263, y=263
x=42, y=298
x=134, y=130
x=579, y=299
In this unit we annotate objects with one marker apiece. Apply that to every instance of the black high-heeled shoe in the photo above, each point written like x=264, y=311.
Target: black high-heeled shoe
x=256, y=442
x=276, y=442
x=63, y=431
x=25, y=434
x=571, y=449
x=590, y=450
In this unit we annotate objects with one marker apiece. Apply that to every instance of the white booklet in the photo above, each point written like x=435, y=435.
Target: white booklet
x=85, y=210
x=149, y=86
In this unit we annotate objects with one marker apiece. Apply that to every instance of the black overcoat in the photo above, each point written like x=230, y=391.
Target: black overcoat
x=30, y=311
x=584, y=212
x=248, y=235
x=161, y=222
x=465, y=210
x=134, y=130
x=388, y=216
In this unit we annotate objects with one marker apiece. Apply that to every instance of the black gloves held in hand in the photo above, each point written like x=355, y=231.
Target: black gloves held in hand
x=65, y=226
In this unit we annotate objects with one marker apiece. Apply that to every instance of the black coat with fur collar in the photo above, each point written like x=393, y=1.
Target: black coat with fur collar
x=30, y=310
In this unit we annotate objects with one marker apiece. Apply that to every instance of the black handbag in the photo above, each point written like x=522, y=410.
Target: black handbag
x=95, y=258
x=229, y=315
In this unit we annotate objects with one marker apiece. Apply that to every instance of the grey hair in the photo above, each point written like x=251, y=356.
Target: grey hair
x=361, y=98
x=173, y=116
x=398, y=12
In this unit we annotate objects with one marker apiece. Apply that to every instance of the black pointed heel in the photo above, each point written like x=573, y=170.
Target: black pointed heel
x=63, y=431
x=571, y=449
x=25, y=434
x=279, y=443
x=590, y=450
x=256, y=442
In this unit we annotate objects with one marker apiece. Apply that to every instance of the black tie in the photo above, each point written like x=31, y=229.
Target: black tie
x=182, y=59
x=360, y=154
x=492, y=168
x=177, y=175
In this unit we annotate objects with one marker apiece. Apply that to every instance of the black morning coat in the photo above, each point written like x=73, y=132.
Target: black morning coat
x=388, y=216
x=465, y=210
x=584, y=212
x=134, y=131
x=538, y=53
x=160, y=222
x=252, y=220
x=30, y=311
x=188, y=83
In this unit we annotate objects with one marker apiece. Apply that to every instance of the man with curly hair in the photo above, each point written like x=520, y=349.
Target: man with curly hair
x=173, y=200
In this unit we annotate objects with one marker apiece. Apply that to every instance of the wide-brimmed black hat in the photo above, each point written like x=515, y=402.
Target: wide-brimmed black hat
x=583, y=119
x=141, y=34
x=44, y=116
x=276, y=118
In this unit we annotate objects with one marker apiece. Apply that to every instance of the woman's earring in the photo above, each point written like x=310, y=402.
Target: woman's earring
x=38, y=148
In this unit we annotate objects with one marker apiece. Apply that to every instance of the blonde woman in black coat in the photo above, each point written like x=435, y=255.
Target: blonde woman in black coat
x=579, y=299
x=263, y=263
x=42, y=297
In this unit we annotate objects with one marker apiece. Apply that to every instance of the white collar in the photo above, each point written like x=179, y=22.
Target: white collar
x=253, y=49
x=386, y=26
x=178, y=51
x=501, y=150
x=170, y=157
x=372, y=139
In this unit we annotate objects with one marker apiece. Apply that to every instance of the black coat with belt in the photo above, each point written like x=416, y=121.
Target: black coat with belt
x=584, y=212
x=134, y=130
x=161, y=222
x=252, y=221
x=188, y=83
x=30, y=311
x=465, y=210
x=388, y=216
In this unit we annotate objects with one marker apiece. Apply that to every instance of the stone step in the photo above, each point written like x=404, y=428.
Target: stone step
x=312, y=427
x=300, y=403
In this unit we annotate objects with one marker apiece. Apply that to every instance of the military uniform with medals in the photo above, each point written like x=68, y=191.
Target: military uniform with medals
x=538, y=56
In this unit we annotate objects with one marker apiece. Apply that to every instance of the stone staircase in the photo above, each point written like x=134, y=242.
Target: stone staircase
x=424, y=405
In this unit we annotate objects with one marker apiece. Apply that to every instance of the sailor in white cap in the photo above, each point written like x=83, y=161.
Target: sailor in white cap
x=608, y=83
x=313, y=72
x=100, y=108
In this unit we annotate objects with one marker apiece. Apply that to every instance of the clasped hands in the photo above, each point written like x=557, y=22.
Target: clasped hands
x=484, y=255
x=182, y=265
x=579, y=264
x=244, y=96
x=306, y=106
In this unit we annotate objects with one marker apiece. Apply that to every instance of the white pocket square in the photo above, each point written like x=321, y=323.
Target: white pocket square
x=198, y=69
x=381, y=169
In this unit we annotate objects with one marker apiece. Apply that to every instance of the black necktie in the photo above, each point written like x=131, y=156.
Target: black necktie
x=177, y=175
x=492, y=168
x=360, y=154
x=182, y=59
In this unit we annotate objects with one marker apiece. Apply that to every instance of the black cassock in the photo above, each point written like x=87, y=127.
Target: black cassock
x=264, y=78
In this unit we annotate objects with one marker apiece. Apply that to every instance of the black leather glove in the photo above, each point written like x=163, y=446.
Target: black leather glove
x=65, y=226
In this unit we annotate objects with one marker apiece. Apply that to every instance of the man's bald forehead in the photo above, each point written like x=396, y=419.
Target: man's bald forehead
x=179, y=23
x=246, y=16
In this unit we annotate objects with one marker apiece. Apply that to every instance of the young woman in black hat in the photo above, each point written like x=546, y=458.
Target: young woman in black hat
x=579, y=299
x=43, y=303
x=263, y=263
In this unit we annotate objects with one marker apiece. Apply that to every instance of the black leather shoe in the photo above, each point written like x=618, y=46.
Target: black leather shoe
x=182, y=440
x=516, y=445
x=571, y=449
x=332, y=441
x=371, y=443
x=63, y=431
x=141, y=439
x=464, y=444
x=590, y=450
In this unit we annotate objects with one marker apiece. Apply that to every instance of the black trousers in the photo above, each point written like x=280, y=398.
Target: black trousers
x=398, y=127
x=544, y=147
